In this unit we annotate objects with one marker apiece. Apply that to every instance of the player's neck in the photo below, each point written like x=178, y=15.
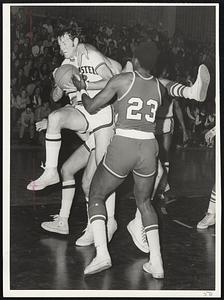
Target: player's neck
x=144, y=72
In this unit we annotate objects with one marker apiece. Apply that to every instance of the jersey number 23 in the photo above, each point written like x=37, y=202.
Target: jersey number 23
x=134, y=111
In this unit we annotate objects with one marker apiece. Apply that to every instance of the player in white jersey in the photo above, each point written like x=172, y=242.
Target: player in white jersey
x=98, y=69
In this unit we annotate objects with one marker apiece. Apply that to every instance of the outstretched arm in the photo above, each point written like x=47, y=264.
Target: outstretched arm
x=102, y=98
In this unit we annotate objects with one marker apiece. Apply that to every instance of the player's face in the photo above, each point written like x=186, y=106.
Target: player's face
x=67, y=46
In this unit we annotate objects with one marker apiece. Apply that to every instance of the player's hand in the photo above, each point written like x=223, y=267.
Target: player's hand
x=74, y=101
x=69, y=88
x=79, y=82
x=209, y=136
x=41, y=125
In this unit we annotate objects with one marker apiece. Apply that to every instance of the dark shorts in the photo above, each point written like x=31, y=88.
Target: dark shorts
x=128, y=154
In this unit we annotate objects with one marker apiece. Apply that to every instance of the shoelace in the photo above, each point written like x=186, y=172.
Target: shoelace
x=143, y=235
x=206, y=218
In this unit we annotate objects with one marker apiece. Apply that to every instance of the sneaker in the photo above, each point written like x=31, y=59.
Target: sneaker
x=97, y=265
x=207, y=221
x=49, y=177
x=200, y=87
x=156, y=270
x=138, y=235
x=58, y=225
x=87, y=238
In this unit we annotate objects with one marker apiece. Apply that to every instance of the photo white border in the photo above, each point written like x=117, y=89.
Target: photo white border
x=7, y=292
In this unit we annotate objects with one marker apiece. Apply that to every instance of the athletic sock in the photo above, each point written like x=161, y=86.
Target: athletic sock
x=152, y=233
x=212, y=202
x=99, y=233
x=53, y=145
x=110, y=206
x=68, y=191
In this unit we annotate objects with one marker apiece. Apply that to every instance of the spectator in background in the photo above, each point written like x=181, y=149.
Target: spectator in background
x=22, y=100
x=27, y=121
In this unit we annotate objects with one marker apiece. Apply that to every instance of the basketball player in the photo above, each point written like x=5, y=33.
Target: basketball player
x=209, y=218
x=98, y=70
x=133, y=148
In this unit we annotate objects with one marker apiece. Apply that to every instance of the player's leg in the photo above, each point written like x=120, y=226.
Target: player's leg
x=66, y=117
x=198, y=91
x=77, y=161
x=135, y=226
x=209, y=218
x=102, y=185
x=142, y=189
x=102, y=139
x=165, y=141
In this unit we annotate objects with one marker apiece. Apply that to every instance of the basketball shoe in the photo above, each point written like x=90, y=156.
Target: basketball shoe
x=58, y=225
x=98, y=264
x=87, y=238
x=156, y=269
x=200, y=87
x=207, y=221
x=138, y=235
x=49, y=177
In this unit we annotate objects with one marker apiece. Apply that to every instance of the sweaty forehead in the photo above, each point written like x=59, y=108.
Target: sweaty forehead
x=65, y=38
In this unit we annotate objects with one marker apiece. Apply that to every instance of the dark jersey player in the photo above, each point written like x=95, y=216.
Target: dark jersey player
x=132, y=149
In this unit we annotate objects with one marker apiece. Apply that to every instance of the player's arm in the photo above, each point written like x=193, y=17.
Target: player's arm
x=56, y=92
x=180, y=118
x=92, y=105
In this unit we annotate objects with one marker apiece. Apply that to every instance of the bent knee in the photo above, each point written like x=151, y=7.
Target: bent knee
x=67, y=172
x=55, y=117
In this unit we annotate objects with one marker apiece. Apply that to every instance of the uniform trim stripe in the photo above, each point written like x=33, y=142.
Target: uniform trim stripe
x=151, y=227
x=142, y=175
x=159, y=91
x=145, y=78
x=87, y=148
x=70, y=186
x=135, y=134
x=106, y=125
x=128, y=90
x=172, y=89
x=101, y=64
x=97, y=217
x=112, y=172
x=181, y=91
x=53, y=140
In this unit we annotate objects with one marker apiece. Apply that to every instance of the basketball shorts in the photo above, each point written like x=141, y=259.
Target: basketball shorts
x=126, y=154
x=103, y=118
x=164, y=126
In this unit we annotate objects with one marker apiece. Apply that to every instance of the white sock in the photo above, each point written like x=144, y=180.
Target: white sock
x=53, y=145
x=110, y=206
x=212, y=202
x=152, y=233
x=99, y=234
x=68, y=192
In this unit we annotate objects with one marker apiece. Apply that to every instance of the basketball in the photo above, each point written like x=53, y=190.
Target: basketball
x=63, y=75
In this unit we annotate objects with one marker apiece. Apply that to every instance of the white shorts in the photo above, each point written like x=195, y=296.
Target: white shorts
x=164, y=126
x=103, y=118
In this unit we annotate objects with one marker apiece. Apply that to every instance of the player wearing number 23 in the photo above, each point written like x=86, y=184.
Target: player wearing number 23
x=133, y=148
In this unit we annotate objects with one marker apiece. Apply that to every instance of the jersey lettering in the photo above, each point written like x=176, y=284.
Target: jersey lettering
x=87, y=70
x=134, y=111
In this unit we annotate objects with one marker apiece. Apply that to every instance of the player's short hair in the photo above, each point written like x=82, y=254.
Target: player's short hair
x=70, y=30
x=147, y=54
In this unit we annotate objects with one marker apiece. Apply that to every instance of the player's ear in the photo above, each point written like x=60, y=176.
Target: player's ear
x=75, y=42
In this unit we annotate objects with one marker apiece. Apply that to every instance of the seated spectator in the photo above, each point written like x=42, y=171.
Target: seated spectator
x=22, y=100
x=27, y=121
x=36, y=99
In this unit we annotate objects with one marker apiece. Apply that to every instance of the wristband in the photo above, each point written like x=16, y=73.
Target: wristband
x=82, y=92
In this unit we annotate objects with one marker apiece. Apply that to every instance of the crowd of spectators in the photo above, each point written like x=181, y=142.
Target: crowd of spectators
x=35, y=54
